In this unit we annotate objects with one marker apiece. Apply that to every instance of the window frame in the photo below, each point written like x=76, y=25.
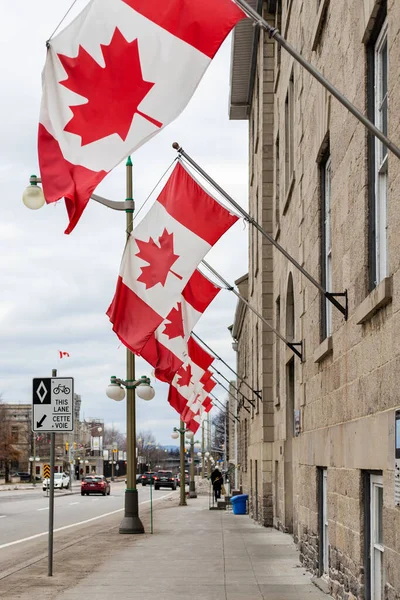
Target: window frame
x=326, y=242
x=377, y=171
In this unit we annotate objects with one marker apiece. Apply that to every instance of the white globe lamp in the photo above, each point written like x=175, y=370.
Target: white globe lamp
x=33, y=196
x=145, y=392
x=115, y=392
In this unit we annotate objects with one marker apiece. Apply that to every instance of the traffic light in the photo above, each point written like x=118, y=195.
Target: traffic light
x=66, y=446
x=74, y=445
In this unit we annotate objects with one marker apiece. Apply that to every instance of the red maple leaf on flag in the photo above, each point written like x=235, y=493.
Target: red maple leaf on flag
x=160, y=259
x=174, y=328
x=113, y=92
x=185, y=376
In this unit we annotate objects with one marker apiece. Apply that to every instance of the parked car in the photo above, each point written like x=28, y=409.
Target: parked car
x=61, y=480
x=138, y=478
x=164, y=479
x=178, y=478
x=147, y=477
x=95, y=484
x=24, y=476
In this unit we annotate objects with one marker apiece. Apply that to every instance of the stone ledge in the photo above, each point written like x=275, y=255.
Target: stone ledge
x=377, y=299
x=323, y=350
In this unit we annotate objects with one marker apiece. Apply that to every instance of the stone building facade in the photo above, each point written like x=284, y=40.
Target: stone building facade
x=329, y=192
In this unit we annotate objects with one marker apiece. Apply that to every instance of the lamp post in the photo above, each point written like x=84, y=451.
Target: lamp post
x=207, y=455
x=34, y=199
x=131, y=522
x=192, y=484
x=32, y=460
x=180, y=431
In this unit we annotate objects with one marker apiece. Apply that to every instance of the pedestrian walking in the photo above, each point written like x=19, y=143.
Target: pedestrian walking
x=217, y=481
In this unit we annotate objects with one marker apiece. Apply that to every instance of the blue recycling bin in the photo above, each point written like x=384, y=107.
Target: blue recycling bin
x=239, y=504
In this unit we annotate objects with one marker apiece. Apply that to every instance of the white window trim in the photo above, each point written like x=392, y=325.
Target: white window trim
x=325, y=523
x=328, y=244
x=377, y=548
x=381, y=164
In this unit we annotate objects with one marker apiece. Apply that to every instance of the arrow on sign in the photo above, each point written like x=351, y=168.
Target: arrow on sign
x=40, y=423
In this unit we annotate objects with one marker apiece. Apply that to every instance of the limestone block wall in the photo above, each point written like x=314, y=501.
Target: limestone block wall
x=345, y=392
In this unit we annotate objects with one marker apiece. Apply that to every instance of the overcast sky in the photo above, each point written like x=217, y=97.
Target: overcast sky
x=55, y=289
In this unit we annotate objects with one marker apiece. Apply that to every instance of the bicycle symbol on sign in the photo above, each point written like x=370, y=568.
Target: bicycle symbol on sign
x=61, y=388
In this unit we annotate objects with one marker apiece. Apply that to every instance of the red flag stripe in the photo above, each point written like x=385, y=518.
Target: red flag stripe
x=198, y=355
x=199, y=291
x=204, y=25
x=187, y=202
x=133, y=320
x=61, y=178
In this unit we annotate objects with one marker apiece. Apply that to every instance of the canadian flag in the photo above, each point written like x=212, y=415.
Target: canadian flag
x=186, y=392
x=167, y=349
x=161, y=255
x=118, y=74
x=63, y=354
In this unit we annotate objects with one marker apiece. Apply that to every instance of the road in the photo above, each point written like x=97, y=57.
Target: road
x=24, y=521
x=26, y=514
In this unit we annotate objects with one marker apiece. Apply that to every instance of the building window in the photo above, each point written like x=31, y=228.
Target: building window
x=277, y=349
x=326, y=245
x=323, y=521
x=245, y=445
x=378, y=156
x=289, y=145
x=373, y=540
x=277, y=197
x=14, y=433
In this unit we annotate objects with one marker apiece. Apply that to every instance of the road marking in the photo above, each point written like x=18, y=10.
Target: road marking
x=37, y=535
x=3, y=516
x=45, y=508
x=72, y=503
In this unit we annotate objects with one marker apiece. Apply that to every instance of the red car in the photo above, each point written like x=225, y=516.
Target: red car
x=95, y=484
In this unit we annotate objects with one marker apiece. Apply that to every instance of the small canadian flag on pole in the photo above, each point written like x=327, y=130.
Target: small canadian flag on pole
x=113, y=78
x=63, y=354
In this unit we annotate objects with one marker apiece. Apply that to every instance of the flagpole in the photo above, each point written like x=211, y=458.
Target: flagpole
x=131, y=522
x=230, y=288
x=256, y=392
x=332, y=297
x=274, y=34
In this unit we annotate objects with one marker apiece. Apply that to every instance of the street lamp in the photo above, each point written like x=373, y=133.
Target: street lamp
x=192, y=484
x=131, y=522
x=33, y=196
x=180, y=431
x=32, y=459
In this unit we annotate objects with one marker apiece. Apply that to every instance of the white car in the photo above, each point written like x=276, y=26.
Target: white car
x=61, y=480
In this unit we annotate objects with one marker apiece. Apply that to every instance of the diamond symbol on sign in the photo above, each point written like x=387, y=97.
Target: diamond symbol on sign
x=41, y=391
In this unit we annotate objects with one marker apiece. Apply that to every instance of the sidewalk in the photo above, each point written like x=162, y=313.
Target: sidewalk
x=207, y=555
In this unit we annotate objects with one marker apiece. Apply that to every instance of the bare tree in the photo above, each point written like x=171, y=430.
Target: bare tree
x=8, y=452
x=112, y=435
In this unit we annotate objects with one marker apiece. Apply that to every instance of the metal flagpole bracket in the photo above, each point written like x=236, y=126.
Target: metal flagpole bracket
x=128, y=204
x=268, y=236
x=297, y=348
x=290, y=345
x=343, y=309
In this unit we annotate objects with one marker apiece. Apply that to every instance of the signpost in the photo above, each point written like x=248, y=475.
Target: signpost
x=52, y=410
x=53, y=404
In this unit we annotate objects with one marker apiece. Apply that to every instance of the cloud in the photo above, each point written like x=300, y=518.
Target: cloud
x=55, y=289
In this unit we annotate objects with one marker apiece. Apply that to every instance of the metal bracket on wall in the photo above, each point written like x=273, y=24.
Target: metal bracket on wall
x=294, y=347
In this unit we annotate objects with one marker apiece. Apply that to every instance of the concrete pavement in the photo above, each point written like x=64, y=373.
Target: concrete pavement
x=207, y=555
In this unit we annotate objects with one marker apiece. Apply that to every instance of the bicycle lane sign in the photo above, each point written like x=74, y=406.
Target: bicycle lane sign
x=52, y=404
